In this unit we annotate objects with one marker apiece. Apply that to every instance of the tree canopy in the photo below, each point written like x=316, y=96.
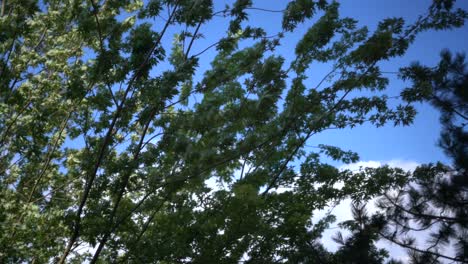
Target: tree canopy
x=112, y=127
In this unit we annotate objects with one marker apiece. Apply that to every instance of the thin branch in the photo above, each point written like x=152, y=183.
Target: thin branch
x=193, y=38
x=265, y=10
x=101, y=47
x=242, y=171
x=451, y=108
x=441, y=217
x=229, y=38
x=147, y=224
x=2, y=10
x=49, y=157
x=10, y=125
x=405, y=245
x=10, y=50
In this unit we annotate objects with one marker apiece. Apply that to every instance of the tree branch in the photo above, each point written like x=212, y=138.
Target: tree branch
x=405, y=245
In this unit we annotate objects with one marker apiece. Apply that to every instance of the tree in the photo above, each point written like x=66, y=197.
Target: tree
x=108, y=134
x=435, y=198
x=430, y=208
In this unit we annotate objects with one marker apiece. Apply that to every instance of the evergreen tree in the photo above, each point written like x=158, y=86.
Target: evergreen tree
x=360, y=246
x=435, y=199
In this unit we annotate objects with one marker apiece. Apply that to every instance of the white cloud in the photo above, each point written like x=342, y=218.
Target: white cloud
x=407, y=165
x=362, y=164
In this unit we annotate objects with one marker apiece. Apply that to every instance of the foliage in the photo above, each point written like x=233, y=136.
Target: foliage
x=427, y=213
x=109, y=135
x=436, y=197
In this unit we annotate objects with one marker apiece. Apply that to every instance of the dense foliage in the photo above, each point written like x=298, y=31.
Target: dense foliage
x=112, y=132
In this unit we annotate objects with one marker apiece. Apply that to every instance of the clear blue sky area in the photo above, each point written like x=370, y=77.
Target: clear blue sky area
x=417, y=142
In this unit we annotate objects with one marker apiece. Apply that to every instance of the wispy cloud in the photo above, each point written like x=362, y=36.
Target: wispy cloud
x=407, y=165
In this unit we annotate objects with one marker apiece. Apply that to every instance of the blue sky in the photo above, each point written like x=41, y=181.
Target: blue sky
x=416, y=142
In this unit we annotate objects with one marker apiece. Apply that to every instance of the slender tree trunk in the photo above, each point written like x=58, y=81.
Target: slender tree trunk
x=2, y=11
